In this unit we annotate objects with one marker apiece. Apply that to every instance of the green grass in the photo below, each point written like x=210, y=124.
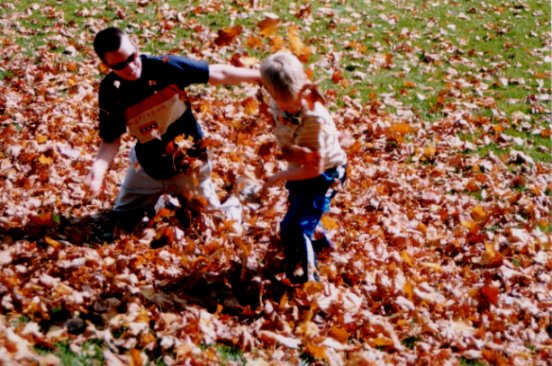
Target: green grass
x=91, y=353
x=227, y=353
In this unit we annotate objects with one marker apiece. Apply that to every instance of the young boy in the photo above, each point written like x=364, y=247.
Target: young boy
x=145, y=95
x=308, y=138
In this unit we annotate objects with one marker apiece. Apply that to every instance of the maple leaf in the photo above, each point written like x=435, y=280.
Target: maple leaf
x=228, y=35
x=269, y=25
x=297, y=46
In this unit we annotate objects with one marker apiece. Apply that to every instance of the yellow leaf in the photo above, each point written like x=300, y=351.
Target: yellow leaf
x=41, y=139
x=406, y=258
x=283, y=302
x=383, y=341
x=435, y=266
x=54, y=243
x=478, y=213
x=429, y=152
x=142, y=317
x=409, y=290
x=469, y=224
x=45, y=160
x=328, y=223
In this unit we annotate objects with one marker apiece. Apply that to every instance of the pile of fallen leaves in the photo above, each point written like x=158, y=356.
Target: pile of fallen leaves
x=441, y=254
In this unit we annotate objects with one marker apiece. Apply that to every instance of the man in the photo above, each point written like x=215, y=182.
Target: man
x=145, y=95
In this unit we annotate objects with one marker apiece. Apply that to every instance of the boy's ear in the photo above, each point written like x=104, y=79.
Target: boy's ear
x=311, y=95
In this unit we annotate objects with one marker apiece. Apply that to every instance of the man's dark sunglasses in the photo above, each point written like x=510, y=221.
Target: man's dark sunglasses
x=121, y=65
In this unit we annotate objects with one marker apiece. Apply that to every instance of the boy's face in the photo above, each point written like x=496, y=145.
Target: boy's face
x=284, y=104
x=125, y=62
x=289, y=105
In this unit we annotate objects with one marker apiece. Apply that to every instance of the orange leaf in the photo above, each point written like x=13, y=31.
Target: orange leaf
x=268, y=26
x=469, y=224
x=339, y=334
x=337, y=76
x=328, y=223
x=250, y=106
x=478, y=213
x=135, y=358
x=228, y=35
x=277, y=43
x=254, y=42
x=297, y=46
x=316, y=351
x=409, y=290
x=491, y=257
x=401, y=128
x=383, y=341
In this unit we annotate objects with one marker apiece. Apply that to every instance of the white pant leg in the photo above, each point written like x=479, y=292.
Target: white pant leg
x=199, y=191
x=196, y=187
x=138, y=190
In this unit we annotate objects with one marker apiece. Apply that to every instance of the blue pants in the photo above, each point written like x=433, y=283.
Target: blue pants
x=308, y=200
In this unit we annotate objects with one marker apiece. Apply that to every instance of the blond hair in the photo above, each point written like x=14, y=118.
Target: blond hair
x=283, y=75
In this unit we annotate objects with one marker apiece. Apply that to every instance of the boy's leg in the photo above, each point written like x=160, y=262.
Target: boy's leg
x=297, y=227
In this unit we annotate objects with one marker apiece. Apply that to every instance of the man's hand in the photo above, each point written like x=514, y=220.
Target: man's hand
x=106, y=154
x=94, y=179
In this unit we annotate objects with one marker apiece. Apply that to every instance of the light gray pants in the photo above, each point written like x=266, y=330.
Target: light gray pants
x=140, y=191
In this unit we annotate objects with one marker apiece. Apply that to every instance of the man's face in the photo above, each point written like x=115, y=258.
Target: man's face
x=125, y=62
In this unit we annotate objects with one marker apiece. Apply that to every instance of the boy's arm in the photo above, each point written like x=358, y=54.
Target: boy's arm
x=106, y=155
x=312, y=166
x=299, y=173
x=228, y=74
x=300, y=155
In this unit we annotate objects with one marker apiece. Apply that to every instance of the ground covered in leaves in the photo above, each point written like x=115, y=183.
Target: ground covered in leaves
x=442, y=246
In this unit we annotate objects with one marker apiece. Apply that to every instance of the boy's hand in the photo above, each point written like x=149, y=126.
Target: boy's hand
x=272, y=180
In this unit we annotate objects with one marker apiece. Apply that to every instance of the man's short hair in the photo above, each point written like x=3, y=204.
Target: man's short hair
x=283, y=75
x=108, y=40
